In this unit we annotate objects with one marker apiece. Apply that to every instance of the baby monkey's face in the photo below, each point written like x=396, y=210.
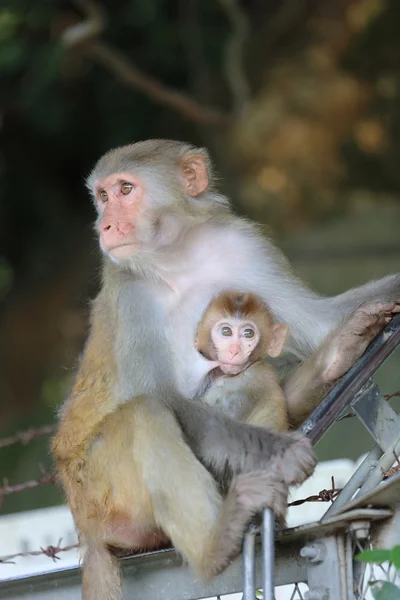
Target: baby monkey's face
x=234, y=341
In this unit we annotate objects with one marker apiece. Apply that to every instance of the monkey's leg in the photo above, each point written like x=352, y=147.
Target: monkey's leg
x=143, y=483
x=248, y=494
x=115, y=507
x=187, y=505
x=342, y=348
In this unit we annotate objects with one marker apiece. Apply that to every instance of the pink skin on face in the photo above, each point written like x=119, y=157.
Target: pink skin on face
x=119, y=199
x=234, y=341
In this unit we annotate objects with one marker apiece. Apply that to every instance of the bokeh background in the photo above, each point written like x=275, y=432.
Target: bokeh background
x=298, y=102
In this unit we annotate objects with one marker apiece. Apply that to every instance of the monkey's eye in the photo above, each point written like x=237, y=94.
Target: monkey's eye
x=103, y=195
x=226, y=331
x=248, y=333
x=126, y=188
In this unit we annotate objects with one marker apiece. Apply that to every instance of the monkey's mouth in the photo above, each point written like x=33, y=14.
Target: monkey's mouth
x=233, y=369
x=122, y=250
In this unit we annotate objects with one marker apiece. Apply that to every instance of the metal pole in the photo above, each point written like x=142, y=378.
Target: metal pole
x=380, y=469
x=268, y=553
x=249, y=567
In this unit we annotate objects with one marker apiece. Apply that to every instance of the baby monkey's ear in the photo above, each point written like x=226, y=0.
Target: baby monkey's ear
x=277, y=339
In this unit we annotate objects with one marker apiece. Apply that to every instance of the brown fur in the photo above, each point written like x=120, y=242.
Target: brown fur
x=254, y=395
x=123, y=493
x=136, y=467
x=139, y=461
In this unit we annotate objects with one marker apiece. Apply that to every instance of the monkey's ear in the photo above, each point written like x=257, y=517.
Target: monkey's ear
x=277, y=340
x=195, y=174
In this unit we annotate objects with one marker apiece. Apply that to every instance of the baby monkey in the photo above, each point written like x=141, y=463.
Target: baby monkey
x=236, y=333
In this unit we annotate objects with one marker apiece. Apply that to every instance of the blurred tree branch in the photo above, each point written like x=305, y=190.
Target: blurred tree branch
x=92, y=26
x=129, y=74
x=121, y=66
x=234, y=50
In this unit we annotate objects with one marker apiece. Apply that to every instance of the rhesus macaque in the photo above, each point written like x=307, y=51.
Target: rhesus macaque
x=141, y=461
x=235, y=334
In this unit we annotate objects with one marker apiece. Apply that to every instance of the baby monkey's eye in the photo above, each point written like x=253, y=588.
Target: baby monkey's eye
x=248, y=333
x=103, y=195
x=126, y=188
x=226, y=331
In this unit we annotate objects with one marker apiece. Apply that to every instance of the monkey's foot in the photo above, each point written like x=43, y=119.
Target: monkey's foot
x=261, y=489
x=353, y=337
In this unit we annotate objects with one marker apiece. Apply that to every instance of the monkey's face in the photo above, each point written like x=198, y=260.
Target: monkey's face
x=234, y=341
x=144, y=195
x=120, y=203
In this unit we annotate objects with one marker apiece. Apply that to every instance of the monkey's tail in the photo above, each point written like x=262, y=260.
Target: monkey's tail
x=101, y=573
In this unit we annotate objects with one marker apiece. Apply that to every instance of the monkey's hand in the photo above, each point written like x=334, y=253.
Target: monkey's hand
x=345, y=345
x=261, y=489
x=296, y=461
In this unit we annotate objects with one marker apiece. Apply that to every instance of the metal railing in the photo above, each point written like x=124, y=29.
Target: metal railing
x=355, y=388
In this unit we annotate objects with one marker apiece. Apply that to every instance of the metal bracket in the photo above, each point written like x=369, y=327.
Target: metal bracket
x=377, y=416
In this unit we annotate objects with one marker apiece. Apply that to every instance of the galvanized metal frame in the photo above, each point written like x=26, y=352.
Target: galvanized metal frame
x=357, y=389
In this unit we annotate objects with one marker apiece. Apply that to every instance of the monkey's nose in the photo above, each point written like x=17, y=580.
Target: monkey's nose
x=113, y=232
x=234, y=349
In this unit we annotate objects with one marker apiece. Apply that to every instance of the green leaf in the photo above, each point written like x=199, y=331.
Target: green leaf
x=383, y=590
x=395, y=556
x=374, y=556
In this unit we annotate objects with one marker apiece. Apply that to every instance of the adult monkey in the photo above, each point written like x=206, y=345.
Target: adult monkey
x=170, y=243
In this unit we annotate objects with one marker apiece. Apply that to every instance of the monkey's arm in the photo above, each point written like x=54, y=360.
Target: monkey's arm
x=310, y=317
x=91, y=396
x=81, y=420
x=309, y=383
x=89, y=401
x=82, y=414
x=228, y=447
